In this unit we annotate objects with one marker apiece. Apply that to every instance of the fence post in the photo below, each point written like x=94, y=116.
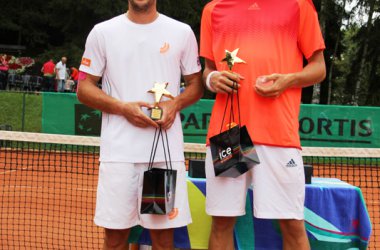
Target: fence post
x=23, y=112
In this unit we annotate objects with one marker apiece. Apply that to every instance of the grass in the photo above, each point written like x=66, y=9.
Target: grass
x=11, y=111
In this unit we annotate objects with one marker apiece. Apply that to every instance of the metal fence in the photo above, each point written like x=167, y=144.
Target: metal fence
x=24, y=82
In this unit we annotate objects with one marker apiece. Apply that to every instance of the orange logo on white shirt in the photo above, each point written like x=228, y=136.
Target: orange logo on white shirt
x=86, y=62
x=254, y=6
x=164, y=48
x=173, y=213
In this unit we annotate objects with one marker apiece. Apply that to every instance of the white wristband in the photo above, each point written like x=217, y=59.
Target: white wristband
x=208, y=81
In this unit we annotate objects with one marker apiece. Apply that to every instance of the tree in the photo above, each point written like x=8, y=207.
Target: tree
x=358, y=62
x=363, y=67
x=51, y=29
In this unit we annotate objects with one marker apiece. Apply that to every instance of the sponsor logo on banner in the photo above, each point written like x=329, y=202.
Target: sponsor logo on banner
x=87, y=120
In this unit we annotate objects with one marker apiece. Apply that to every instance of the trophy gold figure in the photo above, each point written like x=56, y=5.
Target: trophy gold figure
x=231, y=58
x=159, y=90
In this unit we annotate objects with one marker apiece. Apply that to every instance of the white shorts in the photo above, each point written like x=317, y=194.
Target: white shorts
x=119, y=192
x=278, y=186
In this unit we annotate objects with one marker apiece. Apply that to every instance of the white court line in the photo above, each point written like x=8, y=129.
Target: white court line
x=38, y=187
x=8, y=171
x=11, y=171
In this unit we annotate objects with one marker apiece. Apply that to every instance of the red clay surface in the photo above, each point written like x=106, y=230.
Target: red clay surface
x=47, y=200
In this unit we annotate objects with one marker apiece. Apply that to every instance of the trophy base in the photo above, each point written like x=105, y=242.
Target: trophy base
x=156, y=113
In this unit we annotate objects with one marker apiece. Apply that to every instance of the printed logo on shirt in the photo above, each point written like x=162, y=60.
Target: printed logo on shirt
x=165, y=47
x=173, y=213
x=86, y=62
x=254, y=6
x=291, y=164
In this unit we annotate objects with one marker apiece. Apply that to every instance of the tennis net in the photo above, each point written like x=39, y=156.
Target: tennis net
x=48, y=187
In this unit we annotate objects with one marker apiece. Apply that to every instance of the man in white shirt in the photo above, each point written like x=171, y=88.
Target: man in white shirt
x=130, y=53
x=60, y=72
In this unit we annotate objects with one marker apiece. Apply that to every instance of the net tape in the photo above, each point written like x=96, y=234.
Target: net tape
x=189, y=147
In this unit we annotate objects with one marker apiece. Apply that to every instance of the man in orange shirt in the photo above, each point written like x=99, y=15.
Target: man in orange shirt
x=74, y=76
x=272, y=37
x=48, y=71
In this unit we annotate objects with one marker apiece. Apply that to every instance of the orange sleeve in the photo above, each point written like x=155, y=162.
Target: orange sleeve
x=309, y=34
x=206, y=32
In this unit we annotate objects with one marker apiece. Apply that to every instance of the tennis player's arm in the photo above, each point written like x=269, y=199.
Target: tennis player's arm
x=314, y=72
x=192, y=93
x=89, y=94
x=209, y=68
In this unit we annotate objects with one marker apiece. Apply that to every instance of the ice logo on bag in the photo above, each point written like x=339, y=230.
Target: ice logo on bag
x=225, y=154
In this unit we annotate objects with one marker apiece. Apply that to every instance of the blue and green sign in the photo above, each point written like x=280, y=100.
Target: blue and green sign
x=320, y=125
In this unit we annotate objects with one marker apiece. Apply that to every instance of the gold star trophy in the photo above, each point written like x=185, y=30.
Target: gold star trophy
x=159, y=90
x=231, y=58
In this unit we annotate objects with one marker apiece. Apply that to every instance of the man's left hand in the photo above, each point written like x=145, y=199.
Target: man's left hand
x=169, y=112
x=273, y=85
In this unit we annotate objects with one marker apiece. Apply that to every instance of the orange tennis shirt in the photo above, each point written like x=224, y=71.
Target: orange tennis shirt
x=273, y=36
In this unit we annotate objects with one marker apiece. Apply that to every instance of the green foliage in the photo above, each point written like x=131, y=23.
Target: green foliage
x=56, y=28
x=358, y=60
x=12, y=103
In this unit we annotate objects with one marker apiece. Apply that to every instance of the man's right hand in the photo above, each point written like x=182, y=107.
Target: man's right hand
x=225, y=81
x=133, y=113
x=221, y=81
x=89, y=94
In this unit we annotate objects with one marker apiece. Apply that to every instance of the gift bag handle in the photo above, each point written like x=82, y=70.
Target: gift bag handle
x=231, y=96
x=153, y=151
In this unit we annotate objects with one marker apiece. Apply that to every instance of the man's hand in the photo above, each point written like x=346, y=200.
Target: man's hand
x=225, y=81
x=273, y=85
x=169, y=112
x=314, y=72
x=133, y=113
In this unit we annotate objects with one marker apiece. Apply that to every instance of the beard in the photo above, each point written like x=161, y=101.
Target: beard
x=141, y=7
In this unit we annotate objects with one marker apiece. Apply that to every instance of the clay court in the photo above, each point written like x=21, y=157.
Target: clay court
x=47, y=198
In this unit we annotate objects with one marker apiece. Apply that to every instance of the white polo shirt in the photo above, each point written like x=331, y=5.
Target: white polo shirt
x=61, y=68
x=130, y=58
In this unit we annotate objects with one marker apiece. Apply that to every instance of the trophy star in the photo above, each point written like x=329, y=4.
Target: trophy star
x=231, y=58
x=159, y=90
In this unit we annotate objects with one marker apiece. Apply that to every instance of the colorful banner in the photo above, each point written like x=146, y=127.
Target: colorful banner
x=320, y=125
x=345, y=225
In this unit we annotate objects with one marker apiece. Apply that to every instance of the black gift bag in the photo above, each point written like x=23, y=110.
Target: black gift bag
x=158, y=193
x=233, y=152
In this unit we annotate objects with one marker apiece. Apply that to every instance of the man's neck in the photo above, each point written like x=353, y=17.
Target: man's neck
x=142, y=18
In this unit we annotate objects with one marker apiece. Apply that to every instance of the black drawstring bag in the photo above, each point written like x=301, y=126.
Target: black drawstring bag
x=233, y=152
x=158, y=193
